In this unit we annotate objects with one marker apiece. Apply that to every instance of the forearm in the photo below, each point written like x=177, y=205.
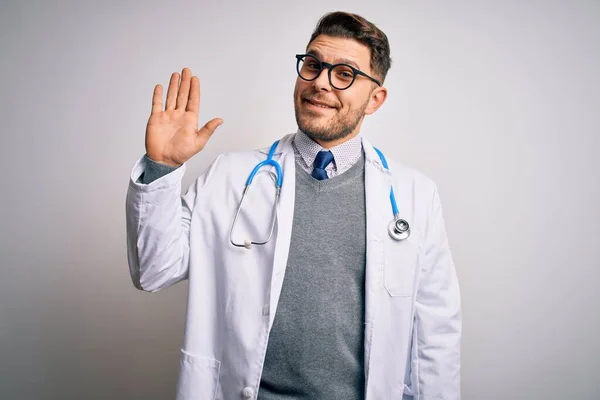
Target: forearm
x=157, y=228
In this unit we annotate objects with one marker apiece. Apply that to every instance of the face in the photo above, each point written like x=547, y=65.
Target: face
x=330, y=116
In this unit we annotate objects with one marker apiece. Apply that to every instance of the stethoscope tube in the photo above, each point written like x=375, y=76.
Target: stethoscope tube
x=268, y=161
x=279, y=181
x=398, y=228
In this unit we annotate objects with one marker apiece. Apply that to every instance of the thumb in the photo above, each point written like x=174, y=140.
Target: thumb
x=204, y=133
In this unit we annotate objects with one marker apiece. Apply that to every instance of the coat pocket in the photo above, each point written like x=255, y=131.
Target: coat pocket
x=402, y=259
x=198, y=377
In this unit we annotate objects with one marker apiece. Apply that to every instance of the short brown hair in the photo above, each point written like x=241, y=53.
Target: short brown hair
x=353, y=26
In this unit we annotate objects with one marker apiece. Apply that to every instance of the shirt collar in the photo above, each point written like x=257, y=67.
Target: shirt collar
x=344, y=154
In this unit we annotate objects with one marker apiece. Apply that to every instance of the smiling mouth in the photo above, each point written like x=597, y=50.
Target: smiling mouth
x=323, y=106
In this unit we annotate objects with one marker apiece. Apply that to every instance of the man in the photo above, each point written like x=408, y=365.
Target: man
x=331, y=307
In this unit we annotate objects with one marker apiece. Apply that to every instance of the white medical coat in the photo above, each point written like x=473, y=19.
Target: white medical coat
x=413, y=312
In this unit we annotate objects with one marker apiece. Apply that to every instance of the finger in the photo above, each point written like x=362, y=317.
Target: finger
x=172, y=91
x=157, y=99
x=193, y=103
x=184, y=89
x=207, y=131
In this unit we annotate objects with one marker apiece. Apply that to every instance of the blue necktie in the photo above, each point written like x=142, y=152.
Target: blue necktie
x=321, y=162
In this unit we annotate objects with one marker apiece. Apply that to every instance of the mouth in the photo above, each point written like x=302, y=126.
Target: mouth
x=318, y=104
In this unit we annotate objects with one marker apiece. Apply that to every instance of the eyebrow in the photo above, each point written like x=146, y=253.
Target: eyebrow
x=336, y=61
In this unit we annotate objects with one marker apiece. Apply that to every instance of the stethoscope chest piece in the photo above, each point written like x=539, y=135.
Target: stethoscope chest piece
x=399, y=229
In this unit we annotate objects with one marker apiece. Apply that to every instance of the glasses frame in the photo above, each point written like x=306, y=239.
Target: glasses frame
x=330, y=67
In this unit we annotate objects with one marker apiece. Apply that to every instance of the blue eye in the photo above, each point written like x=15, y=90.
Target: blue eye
x=344, y=73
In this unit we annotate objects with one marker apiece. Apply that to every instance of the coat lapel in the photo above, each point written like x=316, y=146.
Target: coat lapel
x=379, y=214
x=285, y=217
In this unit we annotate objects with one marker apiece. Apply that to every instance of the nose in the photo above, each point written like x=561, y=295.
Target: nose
x=321, y=83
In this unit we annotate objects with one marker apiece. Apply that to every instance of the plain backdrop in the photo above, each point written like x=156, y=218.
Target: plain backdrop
x=497, y=101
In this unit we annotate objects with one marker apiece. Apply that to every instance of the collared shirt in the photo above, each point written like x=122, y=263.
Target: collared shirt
x=344, y=154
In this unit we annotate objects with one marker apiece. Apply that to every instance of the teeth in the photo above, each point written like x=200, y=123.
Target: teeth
x=318, y=105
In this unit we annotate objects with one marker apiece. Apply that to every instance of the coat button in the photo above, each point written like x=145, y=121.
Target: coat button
x=248, y=393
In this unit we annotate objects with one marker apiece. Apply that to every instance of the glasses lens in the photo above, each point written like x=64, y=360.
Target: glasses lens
x=342, y=77
x=309, y=67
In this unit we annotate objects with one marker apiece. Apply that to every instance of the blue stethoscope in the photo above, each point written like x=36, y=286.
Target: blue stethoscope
x=399, y=229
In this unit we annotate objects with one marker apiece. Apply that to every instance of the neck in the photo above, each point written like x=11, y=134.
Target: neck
x=328, y=144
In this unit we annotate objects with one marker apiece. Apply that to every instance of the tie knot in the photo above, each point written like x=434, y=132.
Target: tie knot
x=323, y=159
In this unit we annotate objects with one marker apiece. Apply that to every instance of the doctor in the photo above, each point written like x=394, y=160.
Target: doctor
x=331, y=306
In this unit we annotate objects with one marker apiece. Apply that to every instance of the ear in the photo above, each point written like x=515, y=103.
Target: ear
x=376, y=100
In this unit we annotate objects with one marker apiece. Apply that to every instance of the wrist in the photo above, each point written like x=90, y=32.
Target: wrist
x=166, y=163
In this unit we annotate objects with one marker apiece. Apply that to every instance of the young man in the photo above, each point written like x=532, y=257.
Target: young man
x=333, y=306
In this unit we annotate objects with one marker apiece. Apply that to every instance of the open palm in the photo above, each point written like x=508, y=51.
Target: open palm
x=172, y=134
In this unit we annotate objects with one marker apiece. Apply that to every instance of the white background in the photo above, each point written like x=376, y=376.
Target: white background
x=498, y=102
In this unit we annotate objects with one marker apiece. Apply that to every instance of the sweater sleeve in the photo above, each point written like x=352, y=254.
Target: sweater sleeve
x=154, y=170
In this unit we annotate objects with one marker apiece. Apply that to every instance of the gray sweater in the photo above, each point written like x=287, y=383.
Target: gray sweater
x=316, y=345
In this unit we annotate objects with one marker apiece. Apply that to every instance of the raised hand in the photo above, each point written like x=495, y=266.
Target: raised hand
x=172, y=134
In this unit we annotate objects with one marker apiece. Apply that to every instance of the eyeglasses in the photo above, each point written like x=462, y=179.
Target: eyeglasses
x=341, y=76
